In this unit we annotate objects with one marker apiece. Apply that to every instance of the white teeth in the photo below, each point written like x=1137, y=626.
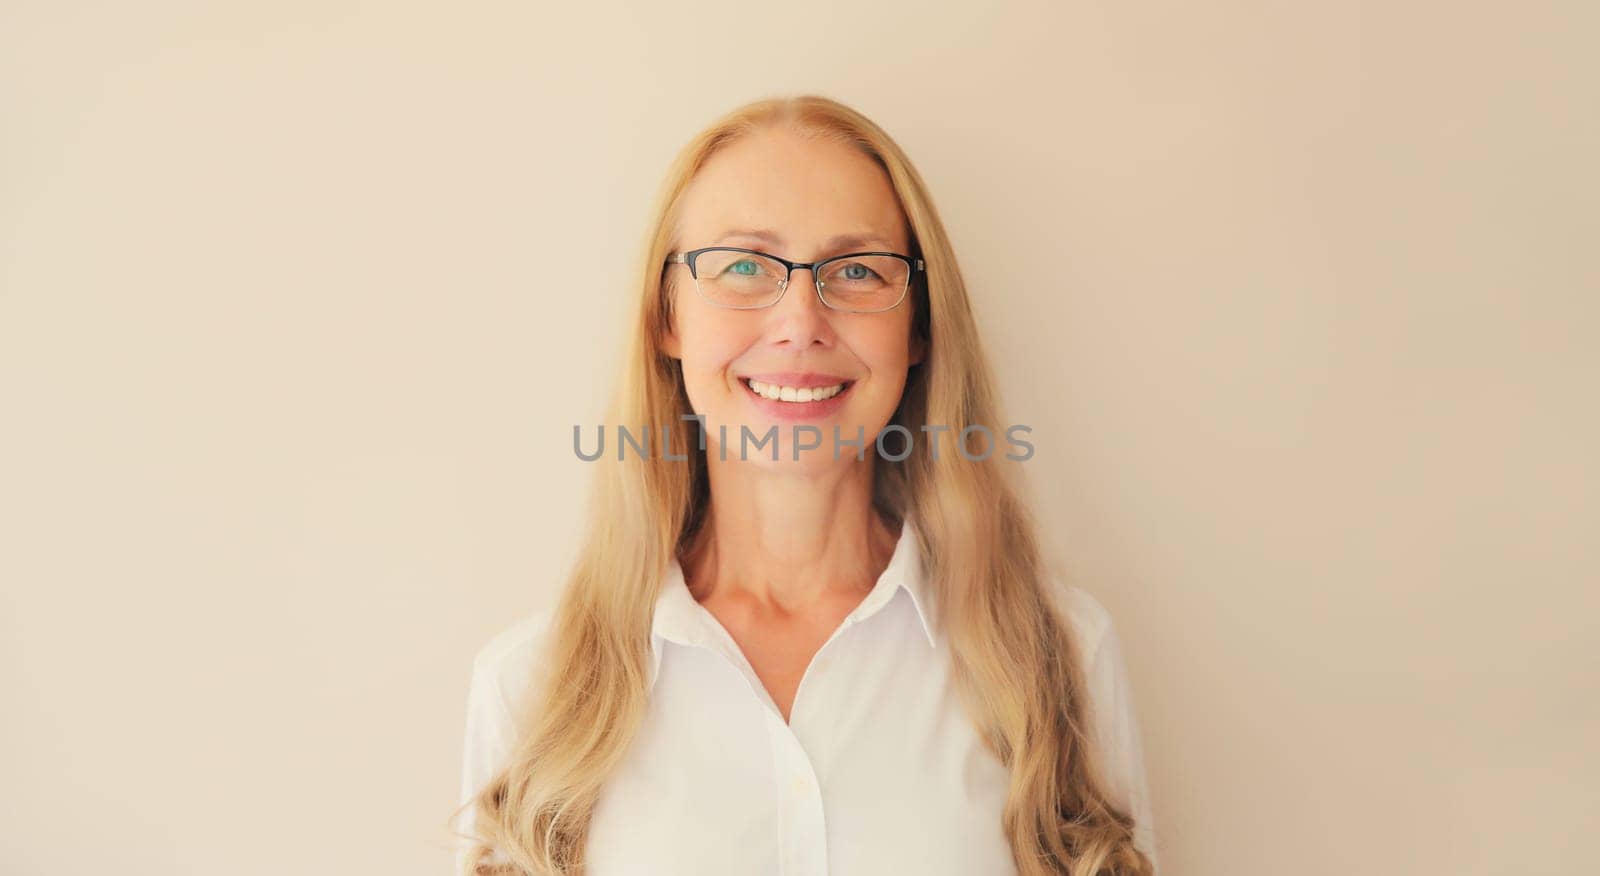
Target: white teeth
x=793, y=394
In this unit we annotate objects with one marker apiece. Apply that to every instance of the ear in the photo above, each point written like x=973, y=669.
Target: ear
x=670, y=344
x=919, y=349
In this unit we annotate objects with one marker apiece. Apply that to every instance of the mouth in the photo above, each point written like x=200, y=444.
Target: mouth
x=796, y=395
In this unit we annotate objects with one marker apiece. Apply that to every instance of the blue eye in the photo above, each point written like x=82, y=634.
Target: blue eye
x=855, y=272
x=745, y=263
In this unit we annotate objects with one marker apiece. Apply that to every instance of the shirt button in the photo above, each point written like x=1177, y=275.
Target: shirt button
x=799, y=784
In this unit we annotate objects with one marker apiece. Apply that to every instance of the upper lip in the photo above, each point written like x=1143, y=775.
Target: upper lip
x=797, y=379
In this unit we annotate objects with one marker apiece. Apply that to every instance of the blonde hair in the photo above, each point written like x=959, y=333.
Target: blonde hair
x=1013, y=653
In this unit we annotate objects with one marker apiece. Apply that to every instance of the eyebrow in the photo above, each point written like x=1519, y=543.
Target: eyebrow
x=772, y=238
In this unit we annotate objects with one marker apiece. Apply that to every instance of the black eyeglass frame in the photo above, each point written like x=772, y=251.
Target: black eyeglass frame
x=915, y=265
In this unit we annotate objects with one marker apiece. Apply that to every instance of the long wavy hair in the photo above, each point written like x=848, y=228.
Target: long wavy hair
x=1013, y=650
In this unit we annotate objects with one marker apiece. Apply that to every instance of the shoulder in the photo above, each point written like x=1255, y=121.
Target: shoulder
x=503, y=669
x=515, y=639
x=506, y=662
x=1090, y=620
x=1112, y=713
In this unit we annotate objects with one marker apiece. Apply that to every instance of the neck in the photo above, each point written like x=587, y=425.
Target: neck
x=787, y=542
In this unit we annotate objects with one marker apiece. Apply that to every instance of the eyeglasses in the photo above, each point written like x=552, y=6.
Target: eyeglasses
x=747, y=279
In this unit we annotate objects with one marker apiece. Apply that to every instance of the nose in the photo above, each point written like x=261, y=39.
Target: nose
x=800, y=318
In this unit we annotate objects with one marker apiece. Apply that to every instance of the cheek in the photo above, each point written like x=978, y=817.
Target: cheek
x=707, y=351
x=886, y=347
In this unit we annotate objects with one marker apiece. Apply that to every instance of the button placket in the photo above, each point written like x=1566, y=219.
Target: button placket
x=802, y=827
x=802, y=836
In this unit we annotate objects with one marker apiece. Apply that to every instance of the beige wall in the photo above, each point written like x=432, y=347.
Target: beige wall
x=301, y=300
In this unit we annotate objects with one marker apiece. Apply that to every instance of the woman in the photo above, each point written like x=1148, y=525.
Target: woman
x=802, y=659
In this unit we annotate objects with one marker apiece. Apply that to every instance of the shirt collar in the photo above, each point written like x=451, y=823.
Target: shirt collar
x=681, y=619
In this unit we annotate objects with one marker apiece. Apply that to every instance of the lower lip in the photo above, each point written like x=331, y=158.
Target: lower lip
x=798, y=411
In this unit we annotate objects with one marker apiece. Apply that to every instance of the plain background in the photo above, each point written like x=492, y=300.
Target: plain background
x=301, y=301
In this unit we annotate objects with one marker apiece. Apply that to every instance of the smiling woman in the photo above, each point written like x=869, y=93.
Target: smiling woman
x=808, y=663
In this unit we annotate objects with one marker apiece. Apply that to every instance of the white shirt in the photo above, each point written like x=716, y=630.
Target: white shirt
x=877, y=771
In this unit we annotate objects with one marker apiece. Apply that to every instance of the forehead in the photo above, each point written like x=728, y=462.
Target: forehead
x=805, y=191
